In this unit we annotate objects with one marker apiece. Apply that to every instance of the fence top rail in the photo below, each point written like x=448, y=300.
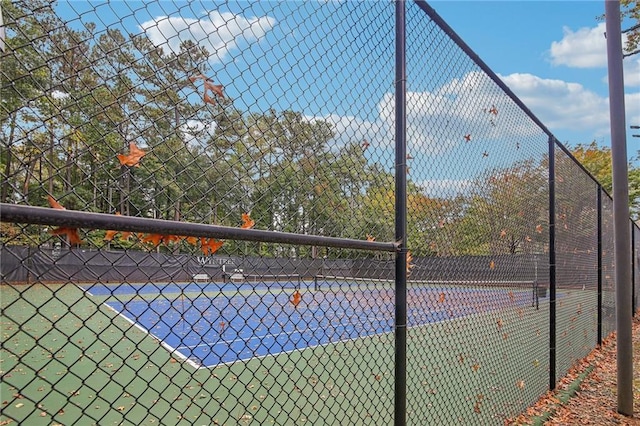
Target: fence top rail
x=71, y=218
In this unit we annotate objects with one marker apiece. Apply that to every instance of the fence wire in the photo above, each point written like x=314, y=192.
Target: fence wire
x=199, y=221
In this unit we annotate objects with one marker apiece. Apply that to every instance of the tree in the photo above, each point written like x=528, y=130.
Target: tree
x=22, y=77
x=597, y=160
x=629, y=9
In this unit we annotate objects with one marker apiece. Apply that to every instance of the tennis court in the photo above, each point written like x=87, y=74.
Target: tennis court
x=208, y=324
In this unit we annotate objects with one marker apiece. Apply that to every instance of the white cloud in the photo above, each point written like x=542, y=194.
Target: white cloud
x=57, y=94
x=438, y=121
x=218, y=32
x=445, y=188
x=631, y=66
x=197, y=132
x=349, y=129
x=584, y=48
x=587, y=48
x=632, y=106
x=559, y=104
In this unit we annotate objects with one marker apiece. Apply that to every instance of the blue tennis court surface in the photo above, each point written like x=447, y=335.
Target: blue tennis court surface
x=229, y=326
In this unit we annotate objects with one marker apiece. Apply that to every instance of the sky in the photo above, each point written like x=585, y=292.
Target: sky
x=552, y=54
x=312, y=57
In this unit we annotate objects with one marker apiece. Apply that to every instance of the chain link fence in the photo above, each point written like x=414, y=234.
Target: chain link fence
x=200, y=208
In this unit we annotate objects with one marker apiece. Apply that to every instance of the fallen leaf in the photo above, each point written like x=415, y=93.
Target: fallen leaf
x=54, y=204
x=154, y=239
x=409, y=264
x=247, y=222
x=71, y=233
x=297, y=297
x=133, y=158
x=209, y=86
x=210, y=245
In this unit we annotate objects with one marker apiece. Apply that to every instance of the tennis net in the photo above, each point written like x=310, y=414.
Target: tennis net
x=328, y=282
x=266, y=280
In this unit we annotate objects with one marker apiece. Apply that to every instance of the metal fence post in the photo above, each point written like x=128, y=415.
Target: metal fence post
x=633, y=268
x=599, y=231
x=552, y=264
x=400, y=415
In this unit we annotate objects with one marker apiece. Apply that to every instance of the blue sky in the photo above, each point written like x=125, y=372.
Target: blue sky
x=559, y=45
x=311, y=57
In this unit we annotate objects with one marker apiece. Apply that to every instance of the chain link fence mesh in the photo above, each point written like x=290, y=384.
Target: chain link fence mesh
x=636, y=263
x=607, y=274
x=198, y=221
x=481, y=165
x=576, y=263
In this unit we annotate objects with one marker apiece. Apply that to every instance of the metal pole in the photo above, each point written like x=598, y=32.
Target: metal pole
x=552, y=263
x=400, y=405
x=622, y=240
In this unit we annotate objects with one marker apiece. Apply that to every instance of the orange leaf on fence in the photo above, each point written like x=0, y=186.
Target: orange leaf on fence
x=154, y=239
x=216, y=89
x=370, y=238
x=108, y=236
x=409, y=264
x=133, y=158
x=168, y=238
x=297, y=297
x=247, y=222
x=54, y=204
x=210, y=245
x=191, y=240
x=71, y=233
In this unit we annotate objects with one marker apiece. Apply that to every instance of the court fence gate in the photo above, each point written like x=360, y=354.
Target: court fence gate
x=283, y=213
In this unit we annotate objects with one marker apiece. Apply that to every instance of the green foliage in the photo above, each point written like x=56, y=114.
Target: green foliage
x=72, y=109
x=629, y=9
x=597, y=160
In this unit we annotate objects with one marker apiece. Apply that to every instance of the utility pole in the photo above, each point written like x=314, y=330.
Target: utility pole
x=621, y=228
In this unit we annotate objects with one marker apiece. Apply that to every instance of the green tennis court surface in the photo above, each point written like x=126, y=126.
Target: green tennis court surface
x=73, y=343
